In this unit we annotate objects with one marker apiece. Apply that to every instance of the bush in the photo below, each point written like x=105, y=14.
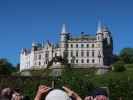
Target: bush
x=119, y=66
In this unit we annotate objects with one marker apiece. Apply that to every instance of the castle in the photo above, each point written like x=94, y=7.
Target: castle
x=83, y=51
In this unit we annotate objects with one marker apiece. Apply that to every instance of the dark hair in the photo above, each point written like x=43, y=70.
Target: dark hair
x=100, y=91
x=17, y=90
x=26, y=98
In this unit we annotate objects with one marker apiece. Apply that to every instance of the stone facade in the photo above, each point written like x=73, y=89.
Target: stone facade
x=83, y=51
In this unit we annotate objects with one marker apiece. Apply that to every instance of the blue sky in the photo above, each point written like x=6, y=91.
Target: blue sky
x=24, y=21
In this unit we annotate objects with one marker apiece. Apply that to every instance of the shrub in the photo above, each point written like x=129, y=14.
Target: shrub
x=119, y=66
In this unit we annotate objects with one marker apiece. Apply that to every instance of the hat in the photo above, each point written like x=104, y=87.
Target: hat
x=57, y=94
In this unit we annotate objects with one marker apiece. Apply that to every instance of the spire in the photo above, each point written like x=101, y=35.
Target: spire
x=99, y=27
x=63, y=28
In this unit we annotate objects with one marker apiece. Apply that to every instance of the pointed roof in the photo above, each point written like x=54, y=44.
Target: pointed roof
x=63, y=28
x=99, y=27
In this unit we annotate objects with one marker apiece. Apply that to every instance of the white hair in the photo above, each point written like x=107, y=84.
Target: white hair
x=57, y=94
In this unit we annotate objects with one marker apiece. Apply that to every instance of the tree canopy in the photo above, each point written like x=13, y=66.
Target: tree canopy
x=6, y=68
x=126, y=55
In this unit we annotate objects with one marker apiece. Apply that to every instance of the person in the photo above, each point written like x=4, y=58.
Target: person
x=6, y=94
x=16, y=94
x=101, y=94
x=89, y=98
x=55, y=94
x=98, y=94
x=11, y=94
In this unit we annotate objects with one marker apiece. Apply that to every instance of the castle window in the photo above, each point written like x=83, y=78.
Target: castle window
x=82, y=45
x=77, y=61
x=93, y=61
x=76, y=45
x=65, y=54
x=82, y=61
x=55, y=54
x=87, y=60
x=93, y=45
x=72, y=61
x=71, y=53
x=87, y=45
x=71, y=45
x=87, y=53
x=39, y=57
x=76, y=53
x=46, y=61
x=47, y=54
x=39, y=63
x=93, y=53
x=82, y=53
x=98, y=37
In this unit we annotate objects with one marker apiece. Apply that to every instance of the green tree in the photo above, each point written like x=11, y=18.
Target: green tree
x=6, y=68
x=126, y=55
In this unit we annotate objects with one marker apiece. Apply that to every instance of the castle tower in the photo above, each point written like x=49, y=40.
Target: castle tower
x=108, y=45
x=99, y=37
x=107, y=35
x=99, y=34
x=63, y=41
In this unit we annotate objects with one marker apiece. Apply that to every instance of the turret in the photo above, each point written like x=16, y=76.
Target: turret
x=108, y=45
x=34, y=46
x=99, y=34
x=107, y=35
x=64, y=35
x=99, y=37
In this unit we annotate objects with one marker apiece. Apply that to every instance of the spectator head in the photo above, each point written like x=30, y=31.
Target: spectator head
x=101, y=94
x=100, y=91
x=57, y=94
x=6, y=92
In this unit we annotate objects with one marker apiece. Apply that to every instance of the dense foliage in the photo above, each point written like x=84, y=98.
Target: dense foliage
x=126, y=55
x=119, y=83
x=124, y=60
x=119, y=66
x=6, y=68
